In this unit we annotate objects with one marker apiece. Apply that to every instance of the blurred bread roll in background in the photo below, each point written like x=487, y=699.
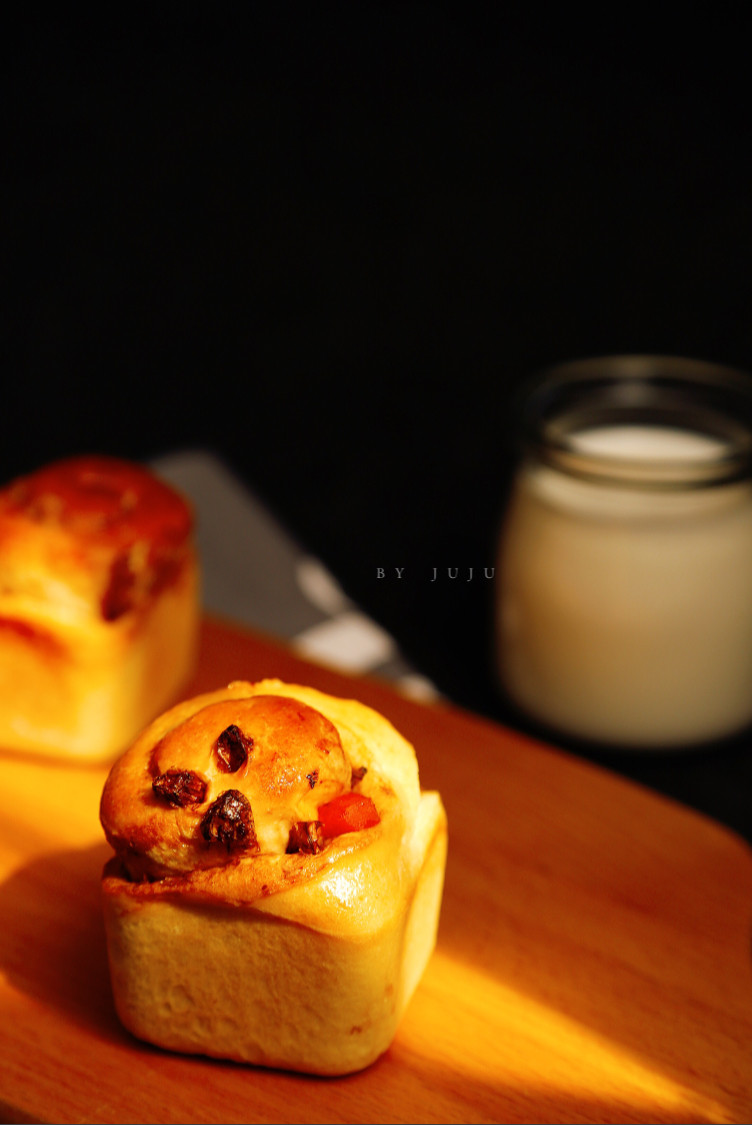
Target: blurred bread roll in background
x=99, y=606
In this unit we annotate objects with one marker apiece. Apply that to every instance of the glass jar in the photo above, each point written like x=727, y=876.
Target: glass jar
x=624, y=598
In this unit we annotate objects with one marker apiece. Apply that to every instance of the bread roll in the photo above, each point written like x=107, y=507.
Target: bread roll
x=275, y=893
x=99, y=606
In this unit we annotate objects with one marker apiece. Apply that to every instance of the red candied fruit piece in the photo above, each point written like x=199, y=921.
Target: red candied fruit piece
x=350, y=812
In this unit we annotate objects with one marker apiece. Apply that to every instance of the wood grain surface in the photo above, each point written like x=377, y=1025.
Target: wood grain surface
x=593, y=962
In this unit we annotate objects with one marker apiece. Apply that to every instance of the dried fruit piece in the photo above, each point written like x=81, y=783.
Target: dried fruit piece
x=229, y=821
x=119, y=596
x=350, y=812
x=357, y=774
x=180, y=787
x=233, y=748
x=306, y=837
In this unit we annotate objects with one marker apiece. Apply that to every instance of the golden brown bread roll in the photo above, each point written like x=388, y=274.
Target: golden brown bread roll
x=99, y=606
x=275, y=893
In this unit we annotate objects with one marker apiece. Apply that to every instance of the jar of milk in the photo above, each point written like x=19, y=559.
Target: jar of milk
x=624, y=573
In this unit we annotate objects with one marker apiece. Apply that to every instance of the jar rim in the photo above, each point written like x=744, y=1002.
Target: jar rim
x=663, y=392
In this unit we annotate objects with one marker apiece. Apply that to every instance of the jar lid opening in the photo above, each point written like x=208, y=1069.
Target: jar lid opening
x=643, y=421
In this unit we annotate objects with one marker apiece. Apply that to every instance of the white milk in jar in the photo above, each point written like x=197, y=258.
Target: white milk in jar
x=625, y=560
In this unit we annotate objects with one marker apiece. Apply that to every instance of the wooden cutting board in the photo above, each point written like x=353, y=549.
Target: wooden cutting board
x=593, y=961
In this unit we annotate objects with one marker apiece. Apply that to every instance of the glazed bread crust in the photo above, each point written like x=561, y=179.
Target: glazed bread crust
x=99, y=592
x=250, y=950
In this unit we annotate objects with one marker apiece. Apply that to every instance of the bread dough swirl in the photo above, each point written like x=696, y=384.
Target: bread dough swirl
x=307, y=748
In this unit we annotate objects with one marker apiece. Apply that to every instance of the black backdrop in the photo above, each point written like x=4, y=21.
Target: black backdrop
x=327, y=241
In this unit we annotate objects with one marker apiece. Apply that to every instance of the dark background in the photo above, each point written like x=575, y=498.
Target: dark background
x=328, y=242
